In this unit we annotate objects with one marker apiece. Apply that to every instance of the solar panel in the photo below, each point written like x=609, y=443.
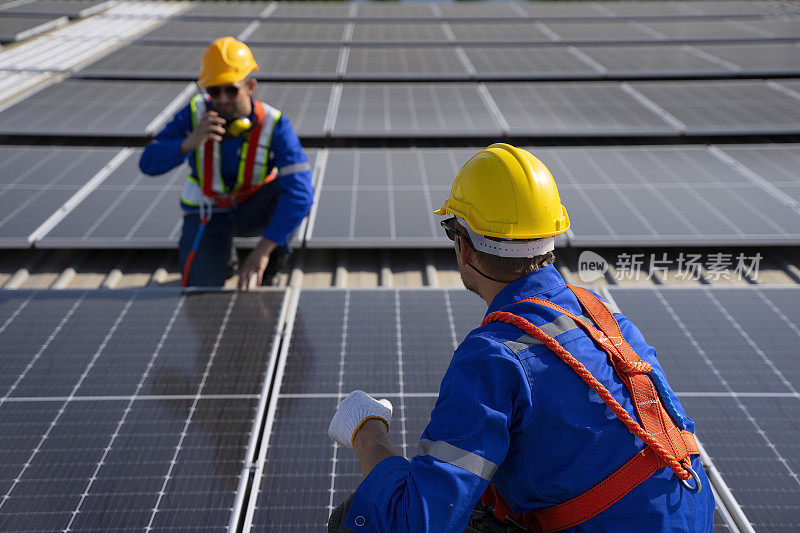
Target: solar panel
x=182, y=62
x=127, y=210
x=394, y=11
x=401, y=32
x=574, y=109
x=776, y=28
x=478, y=10
x=776, y=164
x=384, y=198
x=650, y=9
x=739, y=7
x=70, y=8
x=770, y=58
x=658, y=60
x=420, y=109
x=89, y=107
x=217, y=10
x=307, y=62
x=527, y=62
x=131, y=409
x=599, y=31
x=730, y=355
x=704, y=30
x=312, y=9
x=305, y=104
x=20, y=27
x=195, y=31
x=36, y=181
x=141, y=60
x=300, y=468
x=399, y=63
x=644, y=196
x=505, y=32
x=565, y=10
x=289, y=32
x=725, y=107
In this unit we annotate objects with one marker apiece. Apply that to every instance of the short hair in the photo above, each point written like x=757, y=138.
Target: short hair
x=508, y=268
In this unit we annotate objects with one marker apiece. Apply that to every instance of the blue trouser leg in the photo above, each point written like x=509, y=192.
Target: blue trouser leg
x=214, y=251
x=248, y=219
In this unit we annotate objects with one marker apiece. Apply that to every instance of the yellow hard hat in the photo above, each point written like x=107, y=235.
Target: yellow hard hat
x=506, y=192
x=226, y=61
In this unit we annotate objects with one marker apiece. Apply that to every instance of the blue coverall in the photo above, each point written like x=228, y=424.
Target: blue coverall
x=274, y=212
x=510, y=411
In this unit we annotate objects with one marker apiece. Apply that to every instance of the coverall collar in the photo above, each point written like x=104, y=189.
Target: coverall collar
x=537, y=282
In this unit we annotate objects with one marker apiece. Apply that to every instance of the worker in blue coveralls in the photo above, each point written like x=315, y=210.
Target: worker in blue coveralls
x=248, y=173
x=554, y=413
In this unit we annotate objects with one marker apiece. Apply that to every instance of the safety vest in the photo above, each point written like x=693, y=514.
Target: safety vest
x=253, y=171
x=666, y=443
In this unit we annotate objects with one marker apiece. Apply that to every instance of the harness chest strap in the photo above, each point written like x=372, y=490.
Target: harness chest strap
x=667, y=445
x=253, y=162
x=246, y=188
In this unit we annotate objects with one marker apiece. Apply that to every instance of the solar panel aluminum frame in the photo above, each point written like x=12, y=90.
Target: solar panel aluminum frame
x=46, y=24
x=288, y=308
x=274, y=379
x=82, y=13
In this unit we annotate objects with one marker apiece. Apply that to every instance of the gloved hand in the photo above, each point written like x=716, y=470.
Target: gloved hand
x=354, y=410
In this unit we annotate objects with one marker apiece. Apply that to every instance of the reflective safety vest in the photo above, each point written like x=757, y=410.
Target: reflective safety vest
x=253, y=171
x=667, y=443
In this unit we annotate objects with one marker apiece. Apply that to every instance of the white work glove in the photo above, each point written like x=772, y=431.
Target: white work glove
x=351, y=414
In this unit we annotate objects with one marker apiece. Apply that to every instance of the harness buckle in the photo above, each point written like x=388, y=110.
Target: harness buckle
x=697, y=485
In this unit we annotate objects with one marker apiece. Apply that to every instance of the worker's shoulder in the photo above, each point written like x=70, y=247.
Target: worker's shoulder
x=271, y=110
x=487, y=343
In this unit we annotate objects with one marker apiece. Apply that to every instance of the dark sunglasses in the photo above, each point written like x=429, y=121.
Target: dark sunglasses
x=449, y=228
x=230, y=91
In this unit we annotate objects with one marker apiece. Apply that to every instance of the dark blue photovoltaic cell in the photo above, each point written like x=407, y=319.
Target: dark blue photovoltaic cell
x=129, y=410
x=370, y=335
x=730, y=354
x=36, y=181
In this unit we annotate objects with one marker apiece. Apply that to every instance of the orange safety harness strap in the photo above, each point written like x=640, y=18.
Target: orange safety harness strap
x=247, y=188
x=666, y=444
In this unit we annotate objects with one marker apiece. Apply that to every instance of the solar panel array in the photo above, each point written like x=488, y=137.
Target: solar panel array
x=131, y=410
x=634, y=195
x=730, y=355
x=153, y=409
x=127, y=209
x=393, y=343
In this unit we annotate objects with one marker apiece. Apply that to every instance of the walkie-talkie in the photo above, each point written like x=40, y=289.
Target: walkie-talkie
x=233, y=128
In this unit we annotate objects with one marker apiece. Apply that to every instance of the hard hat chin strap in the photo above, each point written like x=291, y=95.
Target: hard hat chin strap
x=509, y=247
x=488, y=276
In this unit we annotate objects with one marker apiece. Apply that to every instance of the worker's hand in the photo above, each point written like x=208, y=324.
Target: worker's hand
x=252, y=270
x=351, y=414
x=211, y=126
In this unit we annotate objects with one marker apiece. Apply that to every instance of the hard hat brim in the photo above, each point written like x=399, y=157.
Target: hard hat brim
x=223, y=79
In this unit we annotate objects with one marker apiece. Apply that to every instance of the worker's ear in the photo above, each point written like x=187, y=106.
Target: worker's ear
x=251, y=84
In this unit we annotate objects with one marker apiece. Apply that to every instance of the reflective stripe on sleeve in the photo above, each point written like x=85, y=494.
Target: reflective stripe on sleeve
x=291, y=169
x=457, y=457
x=560, y=325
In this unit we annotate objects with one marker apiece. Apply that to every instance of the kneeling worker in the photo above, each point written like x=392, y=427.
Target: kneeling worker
x=554, y=412
x=248, y=173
